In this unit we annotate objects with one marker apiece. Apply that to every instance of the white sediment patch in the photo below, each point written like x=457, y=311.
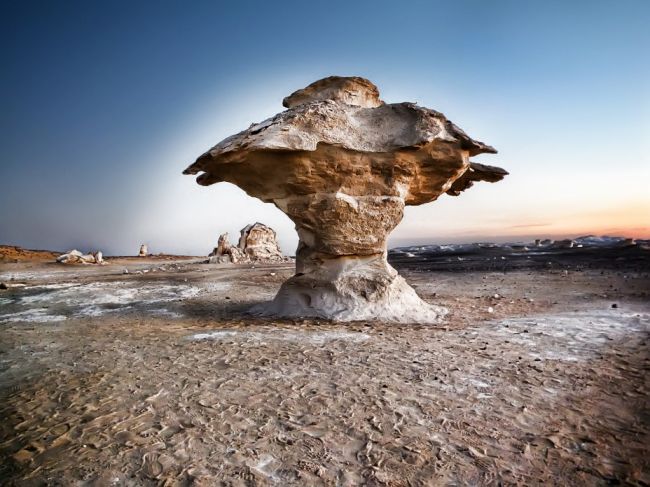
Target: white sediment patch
x=118, y=292
x=317, y=338
x=36, y=315
x=32, y=275
x=570, y=337
x=164, y=313
x=217, y=286
x=61, y=285
x=94, y=310
x=54, y=301
x=215, y=335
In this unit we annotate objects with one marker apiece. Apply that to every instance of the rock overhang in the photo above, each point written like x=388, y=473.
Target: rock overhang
x=342, y=165
x=399, y=138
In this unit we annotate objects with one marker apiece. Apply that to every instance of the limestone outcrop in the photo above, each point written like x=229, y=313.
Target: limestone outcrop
x=342, y=164
x=76, y=257
x=257, y=243
x=224, y=252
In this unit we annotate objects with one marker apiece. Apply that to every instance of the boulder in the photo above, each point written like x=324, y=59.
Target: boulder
x=259, y=244
x=76, y=257
x=342, y=164
x=144, y=250
x=224, y=252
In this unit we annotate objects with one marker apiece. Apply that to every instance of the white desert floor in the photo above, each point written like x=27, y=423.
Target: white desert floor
x=160, y=378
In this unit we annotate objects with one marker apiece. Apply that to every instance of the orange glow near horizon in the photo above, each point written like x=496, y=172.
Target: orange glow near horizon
x=631, y=220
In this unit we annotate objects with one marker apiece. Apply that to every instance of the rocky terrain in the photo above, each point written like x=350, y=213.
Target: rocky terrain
x=342, y=165
x=149, y=371
x=13, y=253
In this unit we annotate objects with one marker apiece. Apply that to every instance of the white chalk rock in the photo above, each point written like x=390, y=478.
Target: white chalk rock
x=342, y=165
x=76, y=257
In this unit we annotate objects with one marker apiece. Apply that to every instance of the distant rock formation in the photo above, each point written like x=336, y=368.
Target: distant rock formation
x=564, y=244
x=342, y=165
x=76, y=257
x=224, y=253
x=144, y=250
x=257, y=243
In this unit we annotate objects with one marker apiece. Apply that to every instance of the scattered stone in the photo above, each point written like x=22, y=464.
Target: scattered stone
x=490, y=309
x=11, y=285
x=125, y=271
x=342, y=165
x=614, y=305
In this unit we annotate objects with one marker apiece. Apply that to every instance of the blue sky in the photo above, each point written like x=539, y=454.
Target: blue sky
x=105, y=103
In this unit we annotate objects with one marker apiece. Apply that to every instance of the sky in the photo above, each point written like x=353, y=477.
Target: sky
x=105, y=103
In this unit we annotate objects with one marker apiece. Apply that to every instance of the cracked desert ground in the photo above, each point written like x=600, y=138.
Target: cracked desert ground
x=537, y=376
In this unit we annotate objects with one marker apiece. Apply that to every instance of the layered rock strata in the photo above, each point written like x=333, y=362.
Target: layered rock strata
x=342, y=165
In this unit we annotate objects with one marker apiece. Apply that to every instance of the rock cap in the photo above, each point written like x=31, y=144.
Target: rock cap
x=351, y=90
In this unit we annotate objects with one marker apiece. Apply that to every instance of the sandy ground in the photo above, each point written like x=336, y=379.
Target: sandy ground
x=159, y=378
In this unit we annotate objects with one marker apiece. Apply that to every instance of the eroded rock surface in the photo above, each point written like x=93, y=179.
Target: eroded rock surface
x=144, y=250
x=76, y=257
x=342, y=165
x=257, y=243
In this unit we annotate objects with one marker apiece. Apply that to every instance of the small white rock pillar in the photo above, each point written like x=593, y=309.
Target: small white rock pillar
x=342, y=165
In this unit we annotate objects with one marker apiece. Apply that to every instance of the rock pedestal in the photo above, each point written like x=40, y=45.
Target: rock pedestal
x=342, y=165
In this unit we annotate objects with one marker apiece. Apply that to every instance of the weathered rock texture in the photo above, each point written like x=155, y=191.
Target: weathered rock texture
x=76, y=257
x=257, y=243
x=342, y=165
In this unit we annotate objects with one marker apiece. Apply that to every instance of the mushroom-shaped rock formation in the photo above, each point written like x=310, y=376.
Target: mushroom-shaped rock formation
x=342, y=165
